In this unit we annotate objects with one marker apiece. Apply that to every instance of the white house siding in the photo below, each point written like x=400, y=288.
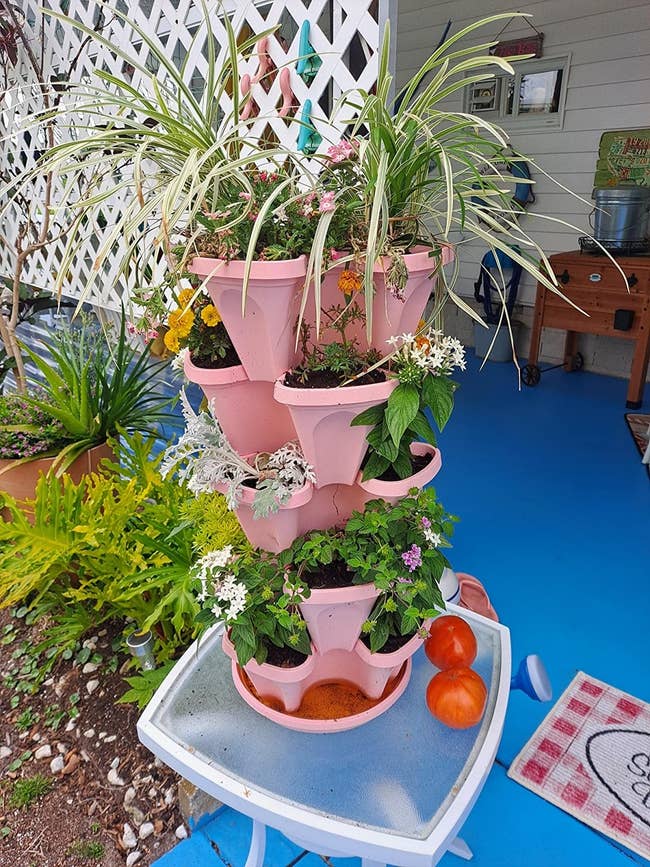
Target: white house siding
x=608, y=88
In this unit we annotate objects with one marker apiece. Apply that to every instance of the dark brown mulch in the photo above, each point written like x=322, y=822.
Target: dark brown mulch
x=418, y=462
x=231, y=359
x=284, y=657
x=329, y=576
x=80, y=821
x=327, y=379
x=393, y=643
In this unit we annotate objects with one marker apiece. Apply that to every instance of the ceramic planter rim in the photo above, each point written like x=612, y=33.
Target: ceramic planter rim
x=208, y=266
x=213, y=375
x=271, y=672
x=380, y=488
x=336, y=396
x=390, y=660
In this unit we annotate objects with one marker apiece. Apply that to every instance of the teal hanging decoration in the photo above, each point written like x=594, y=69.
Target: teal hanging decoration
x=309, y=62
x=308, y=137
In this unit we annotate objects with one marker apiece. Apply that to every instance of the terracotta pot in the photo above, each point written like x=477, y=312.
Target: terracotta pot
x=249, y=416
x=322, y=416
x=264, y=336
x=392, y=492
x=380, y=667
x=334, y=616
x=277, y=531
x=286, y=685
x=20, y=482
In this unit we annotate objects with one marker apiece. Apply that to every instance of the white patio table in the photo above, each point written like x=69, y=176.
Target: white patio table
x=393, y=791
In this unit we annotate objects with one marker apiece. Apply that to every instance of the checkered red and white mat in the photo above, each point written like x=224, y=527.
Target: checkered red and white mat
x=591, y=757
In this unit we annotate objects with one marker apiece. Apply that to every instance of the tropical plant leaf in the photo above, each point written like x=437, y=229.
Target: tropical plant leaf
x=403, y=406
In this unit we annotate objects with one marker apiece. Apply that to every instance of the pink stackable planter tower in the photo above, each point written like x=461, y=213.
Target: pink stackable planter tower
x=258, y=412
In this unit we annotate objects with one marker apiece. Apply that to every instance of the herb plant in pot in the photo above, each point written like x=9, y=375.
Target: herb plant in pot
x=399, y=548
x=334, y=383
x=396, y=460
x=265, y=634
x=267, y=490
x=336, y=602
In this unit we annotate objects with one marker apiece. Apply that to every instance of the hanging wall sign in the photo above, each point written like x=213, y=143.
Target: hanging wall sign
x=525, y=45
x=623, y=158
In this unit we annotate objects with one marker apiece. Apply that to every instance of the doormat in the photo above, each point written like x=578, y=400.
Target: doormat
x=591, y=758
x=638, y=426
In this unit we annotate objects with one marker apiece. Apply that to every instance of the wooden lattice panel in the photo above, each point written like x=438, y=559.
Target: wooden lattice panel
x=344, y=33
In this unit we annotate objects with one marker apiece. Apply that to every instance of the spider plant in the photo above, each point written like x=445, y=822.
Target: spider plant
x=425, y=173
x=147, y=142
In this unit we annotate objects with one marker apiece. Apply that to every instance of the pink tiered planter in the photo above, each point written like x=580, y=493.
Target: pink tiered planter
x=249, y=416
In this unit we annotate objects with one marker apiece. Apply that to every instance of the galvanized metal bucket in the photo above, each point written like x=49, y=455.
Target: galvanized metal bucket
x=622, y=214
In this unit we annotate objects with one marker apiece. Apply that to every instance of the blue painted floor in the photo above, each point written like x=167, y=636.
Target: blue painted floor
x=555, y=521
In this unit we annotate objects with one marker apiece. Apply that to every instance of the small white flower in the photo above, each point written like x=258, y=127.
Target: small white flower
x=178, y=363
x=432, y=538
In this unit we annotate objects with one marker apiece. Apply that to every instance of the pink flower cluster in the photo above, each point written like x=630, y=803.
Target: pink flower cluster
x=412, y=558
x=340, y=152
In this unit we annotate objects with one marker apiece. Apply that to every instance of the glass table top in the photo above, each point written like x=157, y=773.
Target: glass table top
x=396, y=774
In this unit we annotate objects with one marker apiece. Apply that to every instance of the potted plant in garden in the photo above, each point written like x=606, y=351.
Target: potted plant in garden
x=94, y=387
x=398, y=547
x=267, y=490
x=265, y=633
x=334, y=382
x=336, y=601
x=396, y=460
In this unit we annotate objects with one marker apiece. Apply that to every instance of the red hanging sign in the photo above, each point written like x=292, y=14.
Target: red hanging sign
x=524, y=45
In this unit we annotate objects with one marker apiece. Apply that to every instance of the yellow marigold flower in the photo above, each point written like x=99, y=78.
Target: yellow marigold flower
x=184, y=297
x=349, y=282
x=171, y=341
x=210, y=315
x=181, y=322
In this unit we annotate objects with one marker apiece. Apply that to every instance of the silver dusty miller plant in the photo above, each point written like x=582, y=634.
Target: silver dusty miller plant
x=203, y=458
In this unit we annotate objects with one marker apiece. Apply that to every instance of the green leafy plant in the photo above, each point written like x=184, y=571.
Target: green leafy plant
x=423, y=366
x=91, y=850
x=255, y=599
x=95, y=389
x=29, y=789
x=399, y=548
x=341, y=359
x=111, y=547
x=143, y=685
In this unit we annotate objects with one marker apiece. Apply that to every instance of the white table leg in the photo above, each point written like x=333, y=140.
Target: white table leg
x=257, y=847
x=460, y=848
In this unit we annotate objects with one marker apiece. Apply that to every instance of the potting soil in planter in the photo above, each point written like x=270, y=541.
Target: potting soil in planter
x=418, y=462
x=329, y=701
x=327, y=379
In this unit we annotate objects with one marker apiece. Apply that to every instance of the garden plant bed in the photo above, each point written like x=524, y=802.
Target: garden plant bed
x=96, y=783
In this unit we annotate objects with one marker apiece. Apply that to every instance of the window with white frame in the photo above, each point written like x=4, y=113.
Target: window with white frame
x=533, y=97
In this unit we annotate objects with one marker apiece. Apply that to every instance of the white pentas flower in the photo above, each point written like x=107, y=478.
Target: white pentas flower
x=430, y=352
x=218, y=585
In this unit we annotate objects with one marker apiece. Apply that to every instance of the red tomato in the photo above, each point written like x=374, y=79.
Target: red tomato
x=451, y=642
x=457, y=697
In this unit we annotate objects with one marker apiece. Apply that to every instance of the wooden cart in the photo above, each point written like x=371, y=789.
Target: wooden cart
x=595, y=285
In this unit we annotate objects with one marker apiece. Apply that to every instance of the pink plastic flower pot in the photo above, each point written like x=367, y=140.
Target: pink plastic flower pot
x=278, y=530
x=379, y=668
x=335, y=616
x=286, y=685
x=392, y=316
x=264, y=336
x=392, y=492
x=322, y=416
x=249, y=416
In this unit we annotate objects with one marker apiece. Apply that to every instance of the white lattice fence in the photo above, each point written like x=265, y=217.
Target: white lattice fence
x=344, y=34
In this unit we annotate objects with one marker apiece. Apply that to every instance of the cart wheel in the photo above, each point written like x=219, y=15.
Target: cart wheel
x=578, y=361
x=531, y=375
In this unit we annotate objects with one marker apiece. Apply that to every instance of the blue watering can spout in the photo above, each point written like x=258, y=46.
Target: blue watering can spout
x=532, y=678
